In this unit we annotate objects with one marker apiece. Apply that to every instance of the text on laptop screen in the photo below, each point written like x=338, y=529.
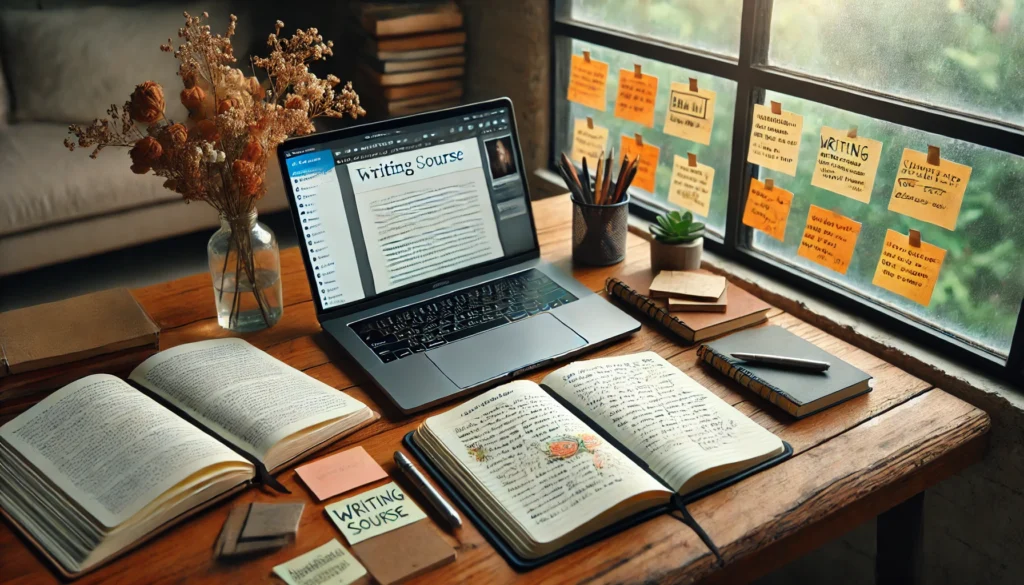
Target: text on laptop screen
x=400, y=207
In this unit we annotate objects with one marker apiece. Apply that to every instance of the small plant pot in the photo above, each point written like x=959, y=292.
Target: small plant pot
x=676, y=256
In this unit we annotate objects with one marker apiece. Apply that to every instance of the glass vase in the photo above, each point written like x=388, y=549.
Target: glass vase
x=245, y=265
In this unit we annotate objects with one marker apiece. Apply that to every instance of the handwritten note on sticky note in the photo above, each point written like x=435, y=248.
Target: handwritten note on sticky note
x=908, y=271
x=648, y=166
x=588, y=142
x=775, y=139
x=587, y=80
x=374, y=512
x=691, y=186
x=931, y=193
x=338, y=473
x=690, y=114
x=846, y=165
x=329, y=564
x=829, y=239
x=635, y=100
x=767, y=209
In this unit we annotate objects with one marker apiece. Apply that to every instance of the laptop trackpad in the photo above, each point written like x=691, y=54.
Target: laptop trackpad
x=499, y=351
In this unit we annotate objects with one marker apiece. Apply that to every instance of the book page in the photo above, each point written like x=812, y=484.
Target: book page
x=111, y=448
x=675, y=425
x=242, y=393
x=549, y=470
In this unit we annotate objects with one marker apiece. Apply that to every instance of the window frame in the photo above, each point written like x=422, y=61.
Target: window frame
x=753, y=76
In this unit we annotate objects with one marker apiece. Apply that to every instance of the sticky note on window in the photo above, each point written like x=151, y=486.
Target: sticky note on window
x=648, y=167
x=767, y=209
x=374, y=512
x=340, y=472
x=931, y=193
x=829, y=239
x=775, y=139
x=691, y=186
x=636, y=96
x=690, y=114
x=588, y=142
x=908, y=271
x=846, y=165
x=587, y=80
x=329, y=564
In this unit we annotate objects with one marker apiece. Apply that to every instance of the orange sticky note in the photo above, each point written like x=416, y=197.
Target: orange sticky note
x=928, y=192
x=339, y=473
x=847, y=165
x=767, y=210
x=829, y=239
x=648, y=166
x=908, y=271
x=587, y=82
x=635, y=100
x=775, y=139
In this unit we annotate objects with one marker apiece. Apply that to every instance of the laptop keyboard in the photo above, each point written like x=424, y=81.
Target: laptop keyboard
x=460, y=314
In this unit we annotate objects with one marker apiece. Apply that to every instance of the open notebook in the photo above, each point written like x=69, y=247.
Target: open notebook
x=603, y=441
x=99, y=466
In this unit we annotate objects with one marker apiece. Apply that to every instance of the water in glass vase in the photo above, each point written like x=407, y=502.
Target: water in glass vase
x=249, y=316
x=245, y=268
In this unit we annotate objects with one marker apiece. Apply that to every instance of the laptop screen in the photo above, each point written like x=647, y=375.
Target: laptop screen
x=394, y=208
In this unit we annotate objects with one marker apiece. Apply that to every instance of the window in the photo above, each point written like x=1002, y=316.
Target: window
x=944, y=74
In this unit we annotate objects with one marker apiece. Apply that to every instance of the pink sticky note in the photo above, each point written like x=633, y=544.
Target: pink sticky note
x=340, y=472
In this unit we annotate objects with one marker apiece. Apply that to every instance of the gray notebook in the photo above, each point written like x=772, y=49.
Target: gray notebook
x=799, y=393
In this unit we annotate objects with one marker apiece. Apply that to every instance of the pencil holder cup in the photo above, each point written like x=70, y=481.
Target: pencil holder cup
x=599, y=233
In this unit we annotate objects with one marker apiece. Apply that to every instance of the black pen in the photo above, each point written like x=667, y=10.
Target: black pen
x=782, y=361
x=440, y=504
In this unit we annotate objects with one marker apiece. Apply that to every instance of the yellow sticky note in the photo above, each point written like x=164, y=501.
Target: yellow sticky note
x=829, y=239
x=775, y=139
x=907, y=271
x=329, y=564
x=587, y=82
x=648, y=166
x=588, y=142
x=847, y=166
x=374, y=512
x=635, y=100
x=691, y=186
x=767, y=210
x=931, y=193
x=690, y=115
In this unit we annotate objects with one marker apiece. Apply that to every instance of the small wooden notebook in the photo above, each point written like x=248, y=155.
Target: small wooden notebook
x=719, y=305
x=404, y=553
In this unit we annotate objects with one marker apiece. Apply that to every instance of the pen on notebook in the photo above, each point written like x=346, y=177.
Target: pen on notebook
x=782, y=361
x=440, y=504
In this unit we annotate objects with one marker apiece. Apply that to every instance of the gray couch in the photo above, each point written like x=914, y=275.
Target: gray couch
x=66, y=65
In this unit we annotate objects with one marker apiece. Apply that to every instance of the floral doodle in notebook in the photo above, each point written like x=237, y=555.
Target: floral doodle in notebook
x=568, y=447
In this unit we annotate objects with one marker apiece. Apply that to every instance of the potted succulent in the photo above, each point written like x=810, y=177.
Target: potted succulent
x=678, y=242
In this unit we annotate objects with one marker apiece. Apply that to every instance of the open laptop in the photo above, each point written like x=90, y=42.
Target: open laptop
x=421, y=252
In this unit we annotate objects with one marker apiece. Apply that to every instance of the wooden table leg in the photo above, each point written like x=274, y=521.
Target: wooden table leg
x=900, y=534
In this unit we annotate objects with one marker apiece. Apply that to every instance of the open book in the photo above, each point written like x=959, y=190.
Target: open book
x=543, y=477
x=99, y=465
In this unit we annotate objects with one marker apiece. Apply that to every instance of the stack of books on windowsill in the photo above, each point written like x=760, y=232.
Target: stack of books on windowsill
x=412, y=56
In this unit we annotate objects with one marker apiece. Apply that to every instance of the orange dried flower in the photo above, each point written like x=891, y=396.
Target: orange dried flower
x=226, y=104
x=147, y=104
x=177, y=134
x=146, y=152
x=193, y=97
x=207, y=130
x=246, y=177
x=252, y=151
x=294, y=102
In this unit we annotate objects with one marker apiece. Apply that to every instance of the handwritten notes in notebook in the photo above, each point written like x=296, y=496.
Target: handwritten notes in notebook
x=767, y=209
x=907, y=270
x=587, y=79
x=931, y=193
x=374, y=512
x=775, y=139
x=645, y=173
x=635, y=100
x=329, y=564
x=340, y=472
x=690, y=114
x=829, y=239
x=691, y=186
x=588, y=142
x=846, y=164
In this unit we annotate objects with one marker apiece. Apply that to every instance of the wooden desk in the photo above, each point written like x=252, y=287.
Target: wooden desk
x=872, y=454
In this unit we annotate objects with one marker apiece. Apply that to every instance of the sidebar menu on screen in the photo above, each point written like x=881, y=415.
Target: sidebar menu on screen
x=325, y=228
